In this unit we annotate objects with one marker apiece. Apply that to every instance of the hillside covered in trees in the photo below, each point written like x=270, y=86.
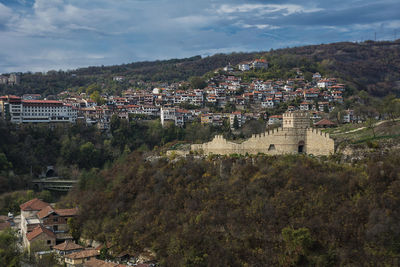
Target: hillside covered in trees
x=370, y=66
x=245, y=211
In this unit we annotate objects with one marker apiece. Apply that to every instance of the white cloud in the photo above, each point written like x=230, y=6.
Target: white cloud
x=5, y=14
x=53, y=34
x=260, y=26
x=263, y=9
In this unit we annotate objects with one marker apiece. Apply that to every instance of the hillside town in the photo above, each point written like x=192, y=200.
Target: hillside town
x=225, y=97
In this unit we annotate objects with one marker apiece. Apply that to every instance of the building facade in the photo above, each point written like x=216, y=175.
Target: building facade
x=16, y=110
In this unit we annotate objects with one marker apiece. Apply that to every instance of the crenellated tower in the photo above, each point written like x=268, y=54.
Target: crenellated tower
x=296, y=119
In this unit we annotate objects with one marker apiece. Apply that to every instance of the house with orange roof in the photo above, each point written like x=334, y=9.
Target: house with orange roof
x=259, y=64
x=100, y=263
x=37, y=213
x=67, y=247
x=29, y=210
x=80, y=257
x=275, y=120
x=39, y=234
x=57, y=220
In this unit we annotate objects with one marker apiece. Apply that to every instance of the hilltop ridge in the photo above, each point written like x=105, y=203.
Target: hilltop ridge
x=369, y=66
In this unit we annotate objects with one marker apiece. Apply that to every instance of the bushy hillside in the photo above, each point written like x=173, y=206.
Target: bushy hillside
x=370, y=66
x=248, y=211
x=157, y=71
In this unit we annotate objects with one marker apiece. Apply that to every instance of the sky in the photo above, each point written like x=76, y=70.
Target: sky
x=41, y=35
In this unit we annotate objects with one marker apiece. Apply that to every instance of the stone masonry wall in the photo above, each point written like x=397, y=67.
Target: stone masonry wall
x=275, y=142
x=319, y=143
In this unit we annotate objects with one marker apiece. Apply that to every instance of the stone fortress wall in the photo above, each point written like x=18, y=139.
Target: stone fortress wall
x=294, y=137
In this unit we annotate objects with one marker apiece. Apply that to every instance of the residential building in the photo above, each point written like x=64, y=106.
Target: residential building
x=31, y=97
x=275, y=120
x=259, y=64
x=16, y=110
x=40, y=217
x=99, y=263
x=40, y=234
x=244, y=67
x=67, y=247
x=81, y=257
x=3, y=79
x=14, y=79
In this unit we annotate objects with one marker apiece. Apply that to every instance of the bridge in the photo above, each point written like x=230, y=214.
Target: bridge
x=53, y=184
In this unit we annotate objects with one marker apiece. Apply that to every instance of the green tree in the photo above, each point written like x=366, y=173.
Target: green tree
x=74, y=228
x=391, y=106
x=371, y=124
x=88, y=155
x=297, y=244
x=4, y=163
x=235, y=123
x=9, y=253
x=197, y=82
x=95, y=96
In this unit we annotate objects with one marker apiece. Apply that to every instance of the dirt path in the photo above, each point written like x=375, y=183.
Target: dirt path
x=362, y=128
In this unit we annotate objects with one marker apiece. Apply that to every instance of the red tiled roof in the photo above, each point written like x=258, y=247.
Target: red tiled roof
x=100, y=263
x=33, y=204
x=41, y=102
x=39, y=230
x=324, y=122
x=45, y=212
x=83, y=254
x=67, y=245
x=10, y=97
x=67, y=212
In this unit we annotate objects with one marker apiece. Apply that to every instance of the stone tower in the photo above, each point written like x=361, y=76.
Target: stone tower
x=296, y=119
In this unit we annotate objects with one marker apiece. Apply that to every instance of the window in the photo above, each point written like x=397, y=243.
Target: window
x=55, y=219
x=48, y=242
x=271, y=147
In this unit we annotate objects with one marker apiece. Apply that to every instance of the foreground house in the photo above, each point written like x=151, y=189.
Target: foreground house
x=68, y=247
x=40, y=234
x=100, y=263
x=79, y=258
x=41, y=219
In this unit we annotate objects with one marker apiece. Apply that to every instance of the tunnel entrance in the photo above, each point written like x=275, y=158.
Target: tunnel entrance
x=50, y=173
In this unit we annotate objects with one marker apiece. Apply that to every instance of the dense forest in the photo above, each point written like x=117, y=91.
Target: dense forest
x=26, y=150
x=370, y=66
x=245, y=211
